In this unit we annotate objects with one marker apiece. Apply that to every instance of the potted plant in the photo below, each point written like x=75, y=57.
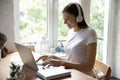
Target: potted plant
x=14, y=70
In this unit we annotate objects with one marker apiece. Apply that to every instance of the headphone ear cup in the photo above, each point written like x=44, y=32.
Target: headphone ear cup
x=79, y=18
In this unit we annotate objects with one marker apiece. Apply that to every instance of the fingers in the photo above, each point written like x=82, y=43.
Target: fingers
x=46, y=66
x=47, y=59
x=42, y=58
x=52, y=62
x=37, y=59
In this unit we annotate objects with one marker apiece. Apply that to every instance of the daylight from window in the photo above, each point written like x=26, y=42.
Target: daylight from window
x=97, y=10
x=33, y=21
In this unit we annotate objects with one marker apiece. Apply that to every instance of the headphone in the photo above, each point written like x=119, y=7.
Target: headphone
x=79, y=18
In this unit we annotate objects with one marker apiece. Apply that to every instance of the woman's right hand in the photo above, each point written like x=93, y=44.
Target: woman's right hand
x=44, y=57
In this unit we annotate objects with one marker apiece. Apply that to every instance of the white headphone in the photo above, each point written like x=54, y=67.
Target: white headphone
x=79, y=18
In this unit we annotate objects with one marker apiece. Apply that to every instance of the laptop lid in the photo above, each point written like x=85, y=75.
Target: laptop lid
x=26, y=56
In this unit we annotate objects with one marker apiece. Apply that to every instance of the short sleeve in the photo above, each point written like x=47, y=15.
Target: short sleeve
x=91, y=38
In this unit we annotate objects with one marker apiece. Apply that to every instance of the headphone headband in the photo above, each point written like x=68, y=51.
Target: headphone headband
x=79, y=18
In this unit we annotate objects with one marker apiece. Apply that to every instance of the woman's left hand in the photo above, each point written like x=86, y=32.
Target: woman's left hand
x=53, y=62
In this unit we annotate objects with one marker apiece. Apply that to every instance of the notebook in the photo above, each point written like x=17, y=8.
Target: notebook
x=45, y=72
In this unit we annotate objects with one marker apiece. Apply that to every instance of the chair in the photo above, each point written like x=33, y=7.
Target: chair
x=102, y=71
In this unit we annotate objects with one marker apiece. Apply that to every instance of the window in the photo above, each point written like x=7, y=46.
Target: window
x=38, y=19
x=97, y=11
x=33, y=20
x=43, y=19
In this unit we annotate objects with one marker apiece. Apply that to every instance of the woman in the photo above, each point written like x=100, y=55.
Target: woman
x=81, y=43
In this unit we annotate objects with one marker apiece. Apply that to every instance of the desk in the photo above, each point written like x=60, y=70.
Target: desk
x=30, y=74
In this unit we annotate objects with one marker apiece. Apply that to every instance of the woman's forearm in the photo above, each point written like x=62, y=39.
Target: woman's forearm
x=80, y=67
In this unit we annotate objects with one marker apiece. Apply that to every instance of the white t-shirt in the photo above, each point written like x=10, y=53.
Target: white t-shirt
x=76, y=44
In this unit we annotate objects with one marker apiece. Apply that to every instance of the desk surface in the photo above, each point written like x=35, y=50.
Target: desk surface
x=30, y=74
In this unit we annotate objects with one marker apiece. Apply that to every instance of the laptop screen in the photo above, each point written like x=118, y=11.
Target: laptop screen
x=26, y=56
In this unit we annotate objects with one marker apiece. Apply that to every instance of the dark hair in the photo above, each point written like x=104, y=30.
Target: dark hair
x=3, y=37
x=72, y=9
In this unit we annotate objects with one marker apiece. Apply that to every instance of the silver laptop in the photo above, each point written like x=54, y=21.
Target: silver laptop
x=47, y=73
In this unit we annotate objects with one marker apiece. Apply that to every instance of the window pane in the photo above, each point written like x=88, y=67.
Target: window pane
x=97, y=22
x=33, y=20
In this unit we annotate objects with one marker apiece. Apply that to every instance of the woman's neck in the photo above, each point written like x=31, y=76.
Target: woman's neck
x=75, y=29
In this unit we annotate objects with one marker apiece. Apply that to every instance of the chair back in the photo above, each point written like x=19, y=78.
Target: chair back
x=102, y=70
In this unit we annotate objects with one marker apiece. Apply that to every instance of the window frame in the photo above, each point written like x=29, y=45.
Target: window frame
x=52, y=18
x=108, y=31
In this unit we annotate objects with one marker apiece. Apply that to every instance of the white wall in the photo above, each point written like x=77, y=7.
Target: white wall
x=8, y=20
x=116, y=41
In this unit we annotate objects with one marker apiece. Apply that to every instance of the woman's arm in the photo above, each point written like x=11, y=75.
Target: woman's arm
x=90, y=59
x=88, y=66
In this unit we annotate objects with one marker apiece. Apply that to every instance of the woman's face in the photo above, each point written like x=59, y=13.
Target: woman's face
x=69, y=20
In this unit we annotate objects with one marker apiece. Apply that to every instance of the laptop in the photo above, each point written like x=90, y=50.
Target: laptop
x=46, y=73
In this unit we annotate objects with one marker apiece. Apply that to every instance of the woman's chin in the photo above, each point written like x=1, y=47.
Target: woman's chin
x=69, y=27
